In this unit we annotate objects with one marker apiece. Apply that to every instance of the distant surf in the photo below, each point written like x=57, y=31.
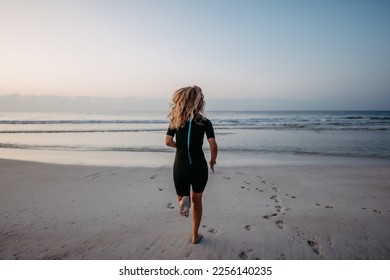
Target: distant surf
x=335, y=133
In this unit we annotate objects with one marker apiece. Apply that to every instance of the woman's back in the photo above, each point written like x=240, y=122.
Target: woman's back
x=189, y=139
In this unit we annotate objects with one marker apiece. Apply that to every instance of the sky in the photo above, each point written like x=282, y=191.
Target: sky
x=336, y=52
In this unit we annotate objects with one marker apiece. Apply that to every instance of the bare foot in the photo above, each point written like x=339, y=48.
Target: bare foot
x=197, y=240
x=184, y=206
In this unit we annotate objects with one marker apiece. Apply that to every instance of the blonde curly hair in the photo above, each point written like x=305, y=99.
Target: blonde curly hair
x=187, y=103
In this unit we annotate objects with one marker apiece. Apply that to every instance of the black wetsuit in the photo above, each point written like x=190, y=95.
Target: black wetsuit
x=190, y=166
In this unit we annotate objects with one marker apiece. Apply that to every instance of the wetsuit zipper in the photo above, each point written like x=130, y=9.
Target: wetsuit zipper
x=188, y=141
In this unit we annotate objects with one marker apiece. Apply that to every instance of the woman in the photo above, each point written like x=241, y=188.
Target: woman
x=188, y=123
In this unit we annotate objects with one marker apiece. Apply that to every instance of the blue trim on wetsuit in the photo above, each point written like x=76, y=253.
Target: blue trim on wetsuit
x=188, y=141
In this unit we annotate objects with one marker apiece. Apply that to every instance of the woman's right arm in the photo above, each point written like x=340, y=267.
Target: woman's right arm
x=214, y=152
x=169, y=141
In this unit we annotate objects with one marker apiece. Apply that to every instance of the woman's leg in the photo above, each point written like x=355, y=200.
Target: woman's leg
x=182, y=186
x=196, y=216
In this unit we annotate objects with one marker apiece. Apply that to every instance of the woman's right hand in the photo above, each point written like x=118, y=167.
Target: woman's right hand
x=212, y=164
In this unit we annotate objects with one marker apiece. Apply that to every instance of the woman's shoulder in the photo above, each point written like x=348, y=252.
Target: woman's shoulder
x=207, y=121
x=202, y=120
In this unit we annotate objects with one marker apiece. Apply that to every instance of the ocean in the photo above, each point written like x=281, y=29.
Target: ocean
x=103, y=138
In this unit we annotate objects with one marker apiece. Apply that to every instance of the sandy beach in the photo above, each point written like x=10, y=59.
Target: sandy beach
x=321, y=209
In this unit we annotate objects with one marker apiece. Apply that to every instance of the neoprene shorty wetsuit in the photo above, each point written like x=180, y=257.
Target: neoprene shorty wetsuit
x=190, y=166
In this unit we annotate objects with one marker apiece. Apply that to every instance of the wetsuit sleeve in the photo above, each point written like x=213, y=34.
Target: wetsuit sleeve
x=171, y=132
x=209, y=130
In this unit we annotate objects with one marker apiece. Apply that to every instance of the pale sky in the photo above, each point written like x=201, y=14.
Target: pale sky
x=232, y=49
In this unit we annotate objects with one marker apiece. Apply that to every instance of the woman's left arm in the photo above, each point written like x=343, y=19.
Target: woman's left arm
x=214, y=152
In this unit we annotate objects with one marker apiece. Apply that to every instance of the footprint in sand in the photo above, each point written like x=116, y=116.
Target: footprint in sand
x=275, y=198
x=292, y=196
x=244, y=255
x=275, y=189
x=318, y=204
x=316, y=247
x=278, y=208
x=298, y=232
x=260, y=190
x=267, y=217
x=249, y=227
x=160, y=189
x=329, y=206
x=377, y=211
x=281, y=224
x=152, y=177
x=211, y=230
x=170, y=206
x=226, y=177
x=246, y=182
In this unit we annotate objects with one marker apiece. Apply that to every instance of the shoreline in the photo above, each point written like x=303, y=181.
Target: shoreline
x=314, y=209
x=159, y=159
